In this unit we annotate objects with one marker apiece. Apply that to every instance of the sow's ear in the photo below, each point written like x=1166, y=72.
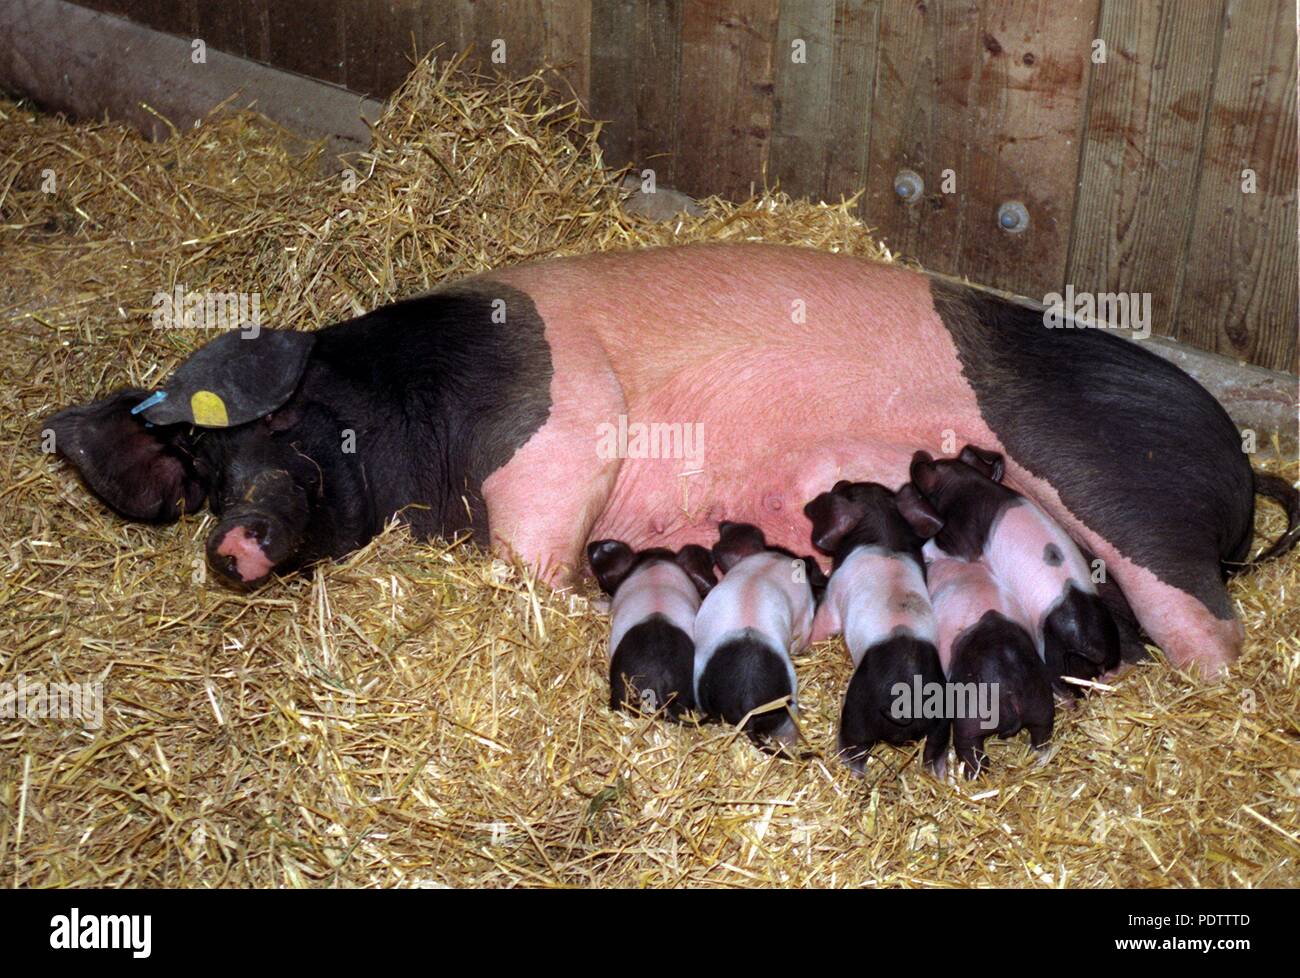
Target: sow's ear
x=991, y=464
x=920, y=515
x=833, y=514
x=698, y=565
x=736, y=541
x=142, y=473
x=611, y=561
x=236, y=378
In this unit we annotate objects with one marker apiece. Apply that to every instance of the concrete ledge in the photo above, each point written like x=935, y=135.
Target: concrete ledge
x=91, y=65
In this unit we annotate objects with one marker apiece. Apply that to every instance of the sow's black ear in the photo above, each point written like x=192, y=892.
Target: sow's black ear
x=142, y=473
x=736, y=541
x=920, y=515
x=698, y=565
x=611, y=561
x=237, y=378
x=992, y=464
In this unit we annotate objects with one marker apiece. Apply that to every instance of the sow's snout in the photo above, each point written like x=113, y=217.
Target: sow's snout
x=260, y=532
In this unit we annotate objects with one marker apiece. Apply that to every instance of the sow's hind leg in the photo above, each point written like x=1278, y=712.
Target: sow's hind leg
x=1130, y=454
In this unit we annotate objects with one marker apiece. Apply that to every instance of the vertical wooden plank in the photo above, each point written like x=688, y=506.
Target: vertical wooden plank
x=802, y=107
x=613, y=76
x=567, y=39
x=1237, y=292
x=517, y=23
x=658, y=44
x=380, y=41
x=853, y=71
x=256, y=16
x=306, y=36
x=173, y=16
x=440, y=28
x=726, y=121
x=221, y=26
x=1146, y=112
x=994, y=92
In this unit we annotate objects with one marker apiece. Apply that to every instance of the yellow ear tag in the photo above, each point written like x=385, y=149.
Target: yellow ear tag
x=209, y=410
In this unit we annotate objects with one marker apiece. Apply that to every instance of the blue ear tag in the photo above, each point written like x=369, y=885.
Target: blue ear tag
x=157, y=397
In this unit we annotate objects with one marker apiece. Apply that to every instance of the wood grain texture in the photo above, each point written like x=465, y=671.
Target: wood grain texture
x=1146, y=115
x=994, y=92
x=613, y=77
x=306, y=36
x=803, y=63
x=1238, y=283
x=658, y=67
x=380, y=38
x=727, y=104
x=567, y=40
x=853, y=79
x=221, y=26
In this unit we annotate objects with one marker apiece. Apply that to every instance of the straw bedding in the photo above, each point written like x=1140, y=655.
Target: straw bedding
x=421, y=714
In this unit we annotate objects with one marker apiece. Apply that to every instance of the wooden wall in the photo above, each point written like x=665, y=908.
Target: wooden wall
x=1131, y=169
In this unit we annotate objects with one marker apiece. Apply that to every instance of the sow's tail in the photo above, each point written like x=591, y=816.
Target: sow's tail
x=1285, y=495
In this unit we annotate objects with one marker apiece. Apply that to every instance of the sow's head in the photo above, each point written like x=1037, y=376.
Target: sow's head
x=238, y=425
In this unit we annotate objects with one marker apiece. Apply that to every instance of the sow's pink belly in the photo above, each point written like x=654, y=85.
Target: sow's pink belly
x=772, y=372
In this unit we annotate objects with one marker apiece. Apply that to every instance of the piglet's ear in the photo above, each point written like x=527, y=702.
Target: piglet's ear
x=143, y=473
x=920, y=515
x=611, y=561
x=991, y=464
x=698, y=564
x=832, y=515
x=922, y=471
x=737, y=541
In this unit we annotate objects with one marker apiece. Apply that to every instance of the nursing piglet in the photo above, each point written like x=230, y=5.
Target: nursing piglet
x=652, y=617
x=997, y=684
x=1028, y=553
x=748, y=627
x=877, y=598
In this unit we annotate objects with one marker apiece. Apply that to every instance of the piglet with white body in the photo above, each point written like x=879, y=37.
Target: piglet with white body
x=747, y=629
x=998, y=685
x=652, y=618
x=877, y=598
x=1030, y=555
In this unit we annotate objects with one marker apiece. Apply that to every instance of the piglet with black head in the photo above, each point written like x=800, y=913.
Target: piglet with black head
x=748, y=628
x=997, y=684
x=652, y=618
x=1028, y=553
x=877, y=597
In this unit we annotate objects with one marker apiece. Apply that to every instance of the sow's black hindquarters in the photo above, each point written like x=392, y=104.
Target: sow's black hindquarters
x=1080, y=639
x=743, y=674
x=868, y=716
x=997, y=654
x=653, y=669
